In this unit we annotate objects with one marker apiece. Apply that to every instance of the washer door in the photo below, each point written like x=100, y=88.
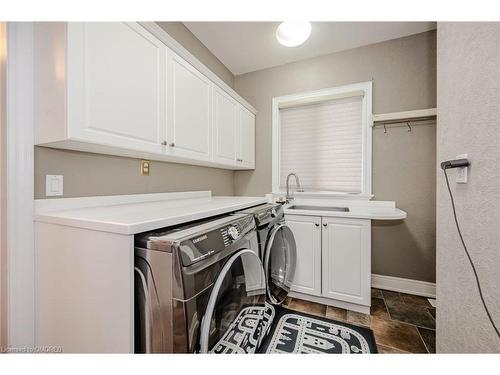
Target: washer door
x=279, y=263
x=235, y=318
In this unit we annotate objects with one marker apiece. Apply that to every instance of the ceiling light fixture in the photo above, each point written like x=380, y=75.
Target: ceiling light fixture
x=293, y=33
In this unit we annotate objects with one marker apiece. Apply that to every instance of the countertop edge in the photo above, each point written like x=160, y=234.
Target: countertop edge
x=396, y=215
x=131, y=229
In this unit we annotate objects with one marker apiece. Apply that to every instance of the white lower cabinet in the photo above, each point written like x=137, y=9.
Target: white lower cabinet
x=346, y=259
x=307, y=233
x=333, y=258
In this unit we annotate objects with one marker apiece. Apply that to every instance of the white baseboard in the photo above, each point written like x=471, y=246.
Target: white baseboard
x=398, y=284
x=332, y=302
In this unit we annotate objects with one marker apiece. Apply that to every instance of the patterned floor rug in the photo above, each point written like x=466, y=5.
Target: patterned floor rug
x=296, y=332
x=245, y=333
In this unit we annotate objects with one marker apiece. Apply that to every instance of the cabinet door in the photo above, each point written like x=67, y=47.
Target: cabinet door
x=115, y=85
x=188, y=110
x=307, y=233
x=225, y=126
x=246, y=135
x=346, y=259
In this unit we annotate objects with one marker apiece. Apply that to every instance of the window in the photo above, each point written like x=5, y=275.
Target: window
x=325, y=138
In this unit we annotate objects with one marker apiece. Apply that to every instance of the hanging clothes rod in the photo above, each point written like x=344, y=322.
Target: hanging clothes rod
x=404, y=120
x=403, y=117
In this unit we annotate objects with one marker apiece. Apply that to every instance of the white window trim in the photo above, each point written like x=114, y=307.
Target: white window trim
x=317, y=96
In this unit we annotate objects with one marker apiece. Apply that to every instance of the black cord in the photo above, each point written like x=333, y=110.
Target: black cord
x=468, y=256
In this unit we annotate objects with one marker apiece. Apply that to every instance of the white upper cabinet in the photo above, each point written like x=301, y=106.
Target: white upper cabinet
x=128, y=89
x=246, y=135
x=116, y=85
x=226, y=118
x=189, y=111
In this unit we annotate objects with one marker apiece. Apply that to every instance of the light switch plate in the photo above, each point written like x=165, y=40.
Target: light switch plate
x=462, y=172
x=53, y=185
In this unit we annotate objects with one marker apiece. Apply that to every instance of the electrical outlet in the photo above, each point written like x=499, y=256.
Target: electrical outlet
x=145, y=167
x=462, y=172
x=53, y=185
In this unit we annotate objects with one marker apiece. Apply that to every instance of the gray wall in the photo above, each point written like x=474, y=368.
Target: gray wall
x=404, y=76
x=91, y=174
x=468, y=62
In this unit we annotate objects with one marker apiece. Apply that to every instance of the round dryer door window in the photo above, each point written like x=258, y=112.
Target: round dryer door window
x=279, y=262
x=236, y=318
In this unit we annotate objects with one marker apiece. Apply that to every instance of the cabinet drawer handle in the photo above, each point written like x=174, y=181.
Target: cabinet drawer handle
x=325, y=225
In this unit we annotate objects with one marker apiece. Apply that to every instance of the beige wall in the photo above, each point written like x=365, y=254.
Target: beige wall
x=91, y=174
x=181, y=33
x=468, y=62
x=404, y=170
x=404, y=76
x=88, y=174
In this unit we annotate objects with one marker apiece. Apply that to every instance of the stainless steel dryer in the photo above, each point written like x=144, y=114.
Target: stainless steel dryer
x=200, y=288
x=277, y=249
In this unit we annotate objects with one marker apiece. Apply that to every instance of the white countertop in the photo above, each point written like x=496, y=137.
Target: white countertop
x=358, y=208
x=131, y=214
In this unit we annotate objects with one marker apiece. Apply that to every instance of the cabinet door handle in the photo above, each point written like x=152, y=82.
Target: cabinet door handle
x=172, y=144
x=240, y=160
x=164, y=143
x=316, y=224
x=325, y=225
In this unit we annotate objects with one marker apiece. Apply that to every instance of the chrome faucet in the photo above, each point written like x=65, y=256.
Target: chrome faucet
x=289, y=196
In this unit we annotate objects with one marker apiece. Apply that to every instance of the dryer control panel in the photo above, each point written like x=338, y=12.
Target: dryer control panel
x=207, y=243
x=197, y=241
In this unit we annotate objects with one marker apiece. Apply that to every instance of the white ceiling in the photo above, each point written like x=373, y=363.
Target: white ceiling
x=248, y=46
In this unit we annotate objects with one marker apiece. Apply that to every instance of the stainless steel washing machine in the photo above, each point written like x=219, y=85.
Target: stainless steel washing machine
x=277, y=249
x=200, y=288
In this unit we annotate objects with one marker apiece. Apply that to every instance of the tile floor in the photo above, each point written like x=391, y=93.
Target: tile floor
x=402, y=323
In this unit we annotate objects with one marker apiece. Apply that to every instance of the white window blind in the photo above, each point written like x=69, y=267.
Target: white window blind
x=323, y=144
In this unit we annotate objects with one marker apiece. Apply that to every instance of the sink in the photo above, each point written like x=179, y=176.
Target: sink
x=318, y=208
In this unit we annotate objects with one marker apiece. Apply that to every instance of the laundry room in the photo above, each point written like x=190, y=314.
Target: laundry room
x=248, y=184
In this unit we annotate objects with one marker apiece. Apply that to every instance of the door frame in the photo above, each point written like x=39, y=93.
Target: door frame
x=18, y=189
x=3, y=279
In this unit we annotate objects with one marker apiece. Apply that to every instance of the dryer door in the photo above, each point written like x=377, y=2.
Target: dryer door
x=279, y=262
x=149, y=333
x=235, y=317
